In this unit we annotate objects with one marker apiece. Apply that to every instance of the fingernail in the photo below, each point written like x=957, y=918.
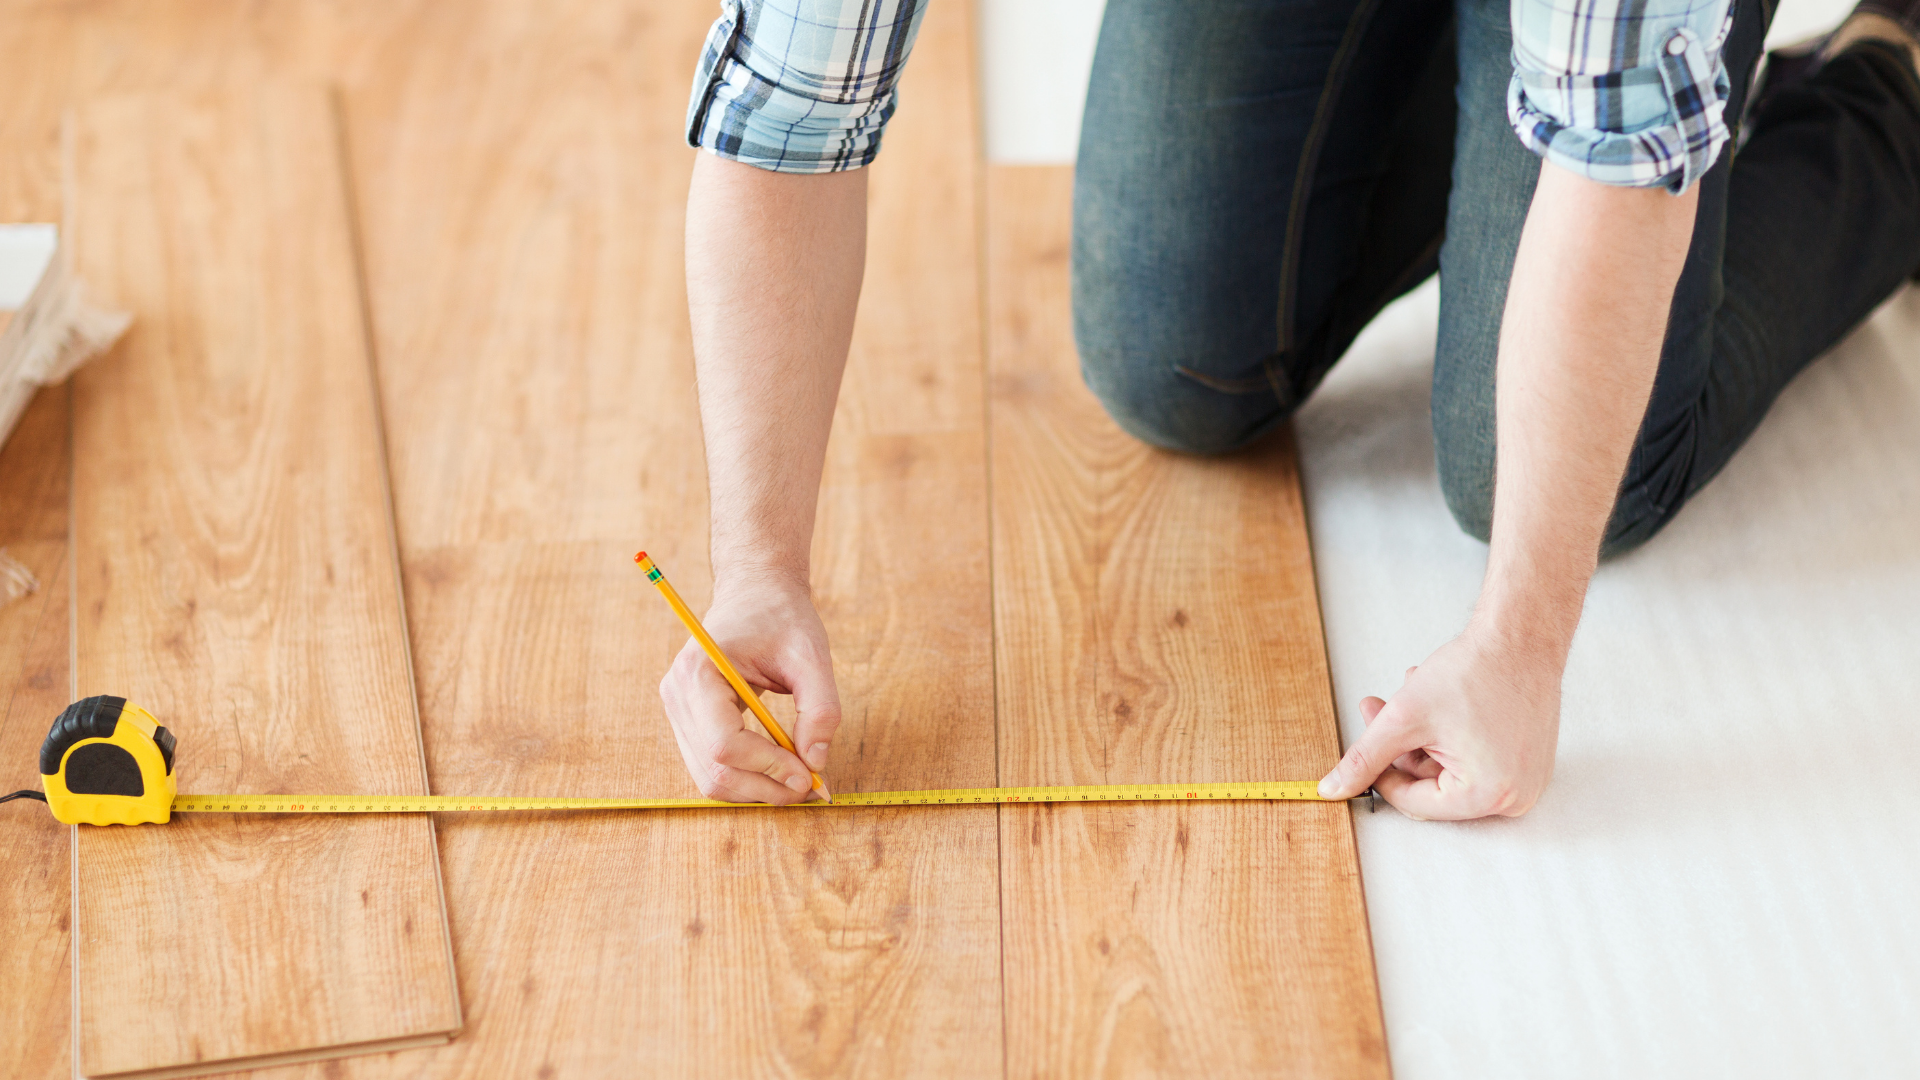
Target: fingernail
x=1328, y=787
x=817, y=756
x=799, y=781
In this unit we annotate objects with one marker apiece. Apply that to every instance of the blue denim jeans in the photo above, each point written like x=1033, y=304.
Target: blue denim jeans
x=1257, y=179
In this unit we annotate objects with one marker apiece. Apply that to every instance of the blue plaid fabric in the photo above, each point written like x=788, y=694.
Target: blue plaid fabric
x=802, y=86
x=1625, y=92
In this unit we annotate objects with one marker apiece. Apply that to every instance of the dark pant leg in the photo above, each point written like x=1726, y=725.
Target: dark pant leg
x=1822, y=223
x=1255, y=181
x=1799, y=236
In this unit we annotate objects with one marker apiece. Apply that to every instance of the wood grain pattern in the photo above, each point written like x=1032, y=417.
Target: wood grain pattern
x=36, y=981
x=35, y=867
x=1156, y=620
x=900, y=568
x=234, y=572
x=521, y=174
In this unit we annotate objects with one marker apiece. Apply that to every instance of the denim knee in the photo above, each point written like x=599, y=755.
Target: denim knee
x=1158, y=403
x=1658, y=481
x=1463, y=414
x=1468, y=487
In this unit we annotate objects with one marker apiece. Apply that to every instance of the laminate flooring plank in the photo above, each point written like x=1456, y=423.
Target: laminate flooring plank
x=521, y=176
x=235, y=573
x=36, y=980
x=35, y=868
x=1156, y=620
x=900, y=556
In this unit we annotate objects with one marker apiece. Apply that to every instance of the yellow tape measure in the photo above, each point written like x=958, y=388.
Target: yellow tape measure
x=108, y=762
x=1298, y=790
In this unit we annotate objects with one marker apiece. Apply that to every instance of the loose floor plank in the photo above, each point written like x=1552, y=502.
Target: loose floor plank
x=35, y=867
x=36, y=986
x=1156, y=620
x=234, y=572
x=521, y=176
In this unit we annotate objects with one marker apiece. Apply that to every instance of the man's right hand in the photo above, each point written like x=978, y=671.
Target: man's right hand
x=775, y=638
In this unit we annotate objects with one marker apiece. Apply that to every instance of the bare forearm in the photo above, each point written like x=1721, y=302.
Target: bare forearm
x=1472, y=731
x=774, y=263
x=1586, y=315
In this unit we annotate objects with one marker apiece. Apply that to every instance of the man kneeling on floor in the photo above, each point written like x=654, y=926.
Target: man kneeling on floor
x=1627, y=281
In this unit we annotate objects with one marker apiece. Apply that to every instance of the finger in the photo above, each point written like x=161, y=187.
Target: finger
x=816, y=703
x=673, y=696
x=1415, y=762
x=1411, y=795
x=1418, y=763
x=1440, y=798
x=755, y=757
x=729, y=784
x=1372, y=754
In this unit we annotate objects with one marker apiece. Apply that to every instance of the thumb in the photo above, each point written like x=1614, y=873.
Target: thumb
x=1386, y=738
x=816, y=704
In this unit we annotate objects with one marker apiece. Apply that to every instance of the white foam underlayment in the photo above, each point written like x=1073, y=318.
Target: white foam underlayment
x=1724, y=879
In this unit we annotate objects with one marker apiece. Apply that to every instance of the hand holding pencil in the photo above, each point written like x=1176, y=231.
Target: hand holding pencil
x=776, y=642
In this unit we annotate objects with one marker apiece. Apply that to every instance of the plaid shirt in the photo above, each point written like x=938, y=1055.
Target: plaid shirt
x=801, y=86
x=1625, y=92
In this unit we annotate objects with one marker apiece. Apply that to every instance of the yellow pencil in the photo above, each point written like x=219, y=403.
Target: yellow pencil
x=726, y=667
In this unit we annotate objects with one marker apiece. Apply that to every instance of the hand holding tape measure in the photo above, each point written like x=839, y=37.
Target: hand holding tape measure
x=107, y=761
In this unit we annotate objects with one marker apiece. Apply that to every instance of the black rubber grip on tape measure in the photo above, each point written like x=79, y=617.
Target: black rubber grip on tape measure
x=104, y=769
x=96, y=768
x=88, y=718
x=164, y=740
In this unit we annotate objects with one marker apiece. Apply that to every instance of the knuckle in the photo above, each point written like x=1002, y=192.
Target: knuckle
x=1362, y=758
x=1518, y=805
x=1501, y=798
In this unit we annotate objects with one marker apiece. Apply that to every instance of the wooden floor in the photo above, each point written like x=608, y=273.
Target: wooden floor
x=234, y=573
x=1016, y=593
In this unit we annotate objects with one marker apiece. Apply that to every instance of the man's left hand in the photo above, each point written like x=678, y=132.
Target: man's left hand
x=1471, y=733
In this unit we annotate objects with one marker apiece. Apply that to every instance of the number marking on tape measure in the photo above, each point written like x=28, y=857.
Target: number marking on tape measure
x=1291, y=790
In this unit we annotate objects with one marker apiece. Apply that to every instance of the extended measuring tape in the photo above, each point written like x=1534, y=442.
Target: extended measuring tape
x=108, y=762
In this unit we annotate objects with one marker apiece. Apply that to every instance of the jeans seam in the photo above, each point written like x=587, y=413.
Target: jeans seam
x=1224, y=386
x=1309, y=159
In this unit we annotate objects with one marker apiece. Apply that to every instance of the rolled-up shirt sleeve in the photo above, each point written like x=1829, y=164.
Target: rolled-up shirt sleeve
x=1625, y=92
x=801, y=86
